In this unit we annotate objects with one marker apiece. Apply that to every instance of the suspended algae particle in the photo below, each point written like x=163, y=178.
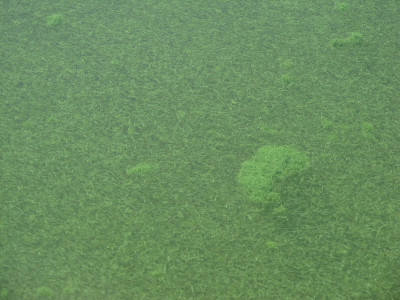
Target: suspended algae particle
x=55, y=20
x=367, y=130
x=286, y=79
x=269, y=164
x=354, y=38
x=271, y=244
x=44, y=292
x=140, y=169
x=341, y=6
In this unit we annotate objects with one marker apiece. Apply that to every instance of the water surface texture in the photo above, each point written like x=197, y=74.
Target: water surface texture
x=199, y=149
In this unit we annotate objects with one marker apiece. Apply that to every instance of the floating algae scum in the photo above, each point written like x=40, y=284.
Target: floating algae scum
x=259, y=175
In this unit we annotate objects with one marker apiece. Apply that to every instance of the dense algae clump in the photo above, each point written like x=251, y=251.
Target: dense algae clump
x=268, y=165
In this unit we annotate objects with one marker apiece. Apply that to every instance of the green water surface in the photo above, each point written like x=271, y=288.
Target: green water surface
x=124, y=125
